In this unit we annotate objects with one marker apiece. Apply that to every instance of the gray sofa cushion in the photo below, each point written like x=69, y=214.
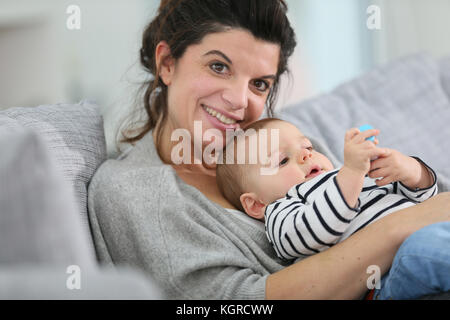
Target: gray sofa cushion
x=49, y=283
x=75, y=137
x=39, y=223
x=405, y=99
x=41, y=234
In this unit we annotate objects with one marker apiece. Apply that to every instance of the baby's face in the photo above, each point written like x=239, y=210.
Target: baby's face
x=295, y=160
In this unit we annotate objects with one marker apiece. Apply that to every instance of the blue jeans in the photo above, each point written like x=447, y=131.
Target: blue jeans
x=421, y=265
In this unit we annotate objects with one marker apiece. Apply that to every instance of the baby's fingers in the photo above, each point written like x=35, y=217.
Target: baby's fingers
x=351, y=133
x=378, y=173
x=367, y=134
x=384, y=181
x=379, y=153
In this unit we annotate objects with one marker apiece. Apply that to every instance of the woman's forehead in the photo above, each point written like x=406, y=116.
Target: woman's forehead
x=241, y=48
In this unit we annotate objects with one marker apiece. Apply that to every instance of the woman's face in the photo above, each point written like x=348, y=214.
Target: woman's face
x=223, y=83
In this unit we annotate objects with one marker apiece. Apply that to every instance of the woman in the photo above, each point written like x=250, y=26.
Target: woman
x=217, y=63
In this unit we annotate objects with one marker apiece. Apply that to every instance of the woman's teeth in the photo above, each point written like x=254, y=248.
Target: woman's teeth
x=219, y=116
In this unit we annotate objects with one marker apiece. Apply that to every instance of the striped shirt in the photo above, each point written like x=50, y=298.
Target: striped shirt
x=313, y=216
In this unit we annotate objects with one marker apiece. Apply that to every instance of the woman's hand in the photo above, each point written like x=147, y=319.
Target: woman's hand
x=395, y=166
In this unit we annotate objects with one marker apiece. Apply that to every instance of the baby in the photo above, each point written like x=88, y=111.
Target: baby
x=306, y=204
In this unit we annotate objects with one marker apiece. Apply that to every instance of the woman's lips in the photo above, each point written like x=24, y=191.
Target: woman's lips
x=219, y=124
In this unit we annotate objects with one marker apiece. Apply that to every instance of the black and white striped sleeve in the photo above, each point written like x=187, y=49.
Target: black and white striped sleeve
x=418, y=195
x=297, y=227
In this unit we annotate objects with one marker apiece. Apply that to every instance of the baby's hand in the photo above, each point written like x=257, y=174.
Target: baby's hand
x=395, y=166
x=358, y=151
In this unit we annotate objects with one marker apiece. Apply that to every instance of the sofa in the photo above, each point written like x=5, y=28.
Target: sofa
x=49, y=153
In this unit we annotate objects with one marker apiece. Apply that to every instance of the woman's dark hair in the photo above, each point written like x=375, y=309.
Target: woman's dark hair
x=182, y=23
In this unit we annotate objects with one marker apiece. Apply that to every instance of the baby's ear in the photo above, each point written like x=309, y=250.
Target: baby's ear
x=252, y=206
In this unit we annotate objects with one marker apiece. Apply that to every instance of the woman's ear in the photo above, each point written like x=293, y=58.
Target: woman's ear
x=165, y=63
x=252, y=206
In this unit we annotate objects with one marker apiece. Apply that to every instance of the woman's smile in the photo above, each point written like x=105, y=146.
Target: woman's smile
x=221, y=119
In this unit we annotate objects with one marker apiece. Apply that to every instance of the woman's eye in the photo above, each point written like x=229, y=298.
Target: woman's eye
x=284, y=161
x=218, y=67
x=261, y=85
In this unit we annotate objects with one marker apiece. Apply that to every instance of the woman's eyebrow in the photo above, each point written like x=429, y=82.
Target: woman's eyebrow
x=272, y=76
x=219, y=53
x=223, y=55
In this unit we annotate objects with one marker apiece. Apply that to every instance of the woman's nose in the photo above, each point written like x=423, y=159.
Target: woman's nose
x=237, y=95
x=304, y=155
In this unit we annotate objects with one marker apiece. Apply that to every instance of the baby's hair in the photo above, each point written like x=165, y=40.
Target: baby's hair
x=231, y=178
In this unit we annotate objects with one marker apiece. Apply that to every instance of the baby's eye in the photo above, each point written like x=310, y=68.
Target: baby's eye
x=284, y=161
x=310, y=148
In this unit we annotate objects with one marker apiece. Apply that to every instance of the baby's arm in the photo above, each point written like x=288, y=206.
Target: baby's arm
x=357, y=154
x=298, y=227
x=410, y=176
x=395, y=166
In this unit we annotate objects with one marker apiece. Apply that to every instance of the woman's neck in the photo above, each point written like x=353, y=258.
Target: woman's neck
x=165, y=147
x=200, y=176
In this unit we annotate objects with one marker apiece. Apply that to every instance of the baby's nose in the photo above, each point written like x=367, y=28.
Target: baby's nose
x=305, y=154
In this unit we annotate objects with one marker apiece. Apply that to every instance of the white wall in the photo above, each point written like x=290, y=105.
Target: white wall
x=42, y=61
x=334, y=44
x=410, y=26
x=29, y=63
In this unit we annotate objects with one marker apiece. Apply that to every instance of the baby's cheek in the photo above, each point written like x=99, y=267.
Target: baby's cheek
x=291, y=178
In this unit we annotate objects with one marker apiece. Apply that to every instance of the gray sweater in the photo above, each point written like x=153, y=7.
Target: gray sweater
x=142, y=214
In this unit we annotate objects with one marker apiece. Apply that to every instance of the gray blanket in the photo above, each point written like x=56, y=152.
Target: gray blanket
x=407, y=99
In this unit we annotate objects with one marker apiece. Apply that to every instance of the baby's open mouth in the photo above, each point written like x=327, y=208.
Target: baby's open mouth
x=313, y=171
